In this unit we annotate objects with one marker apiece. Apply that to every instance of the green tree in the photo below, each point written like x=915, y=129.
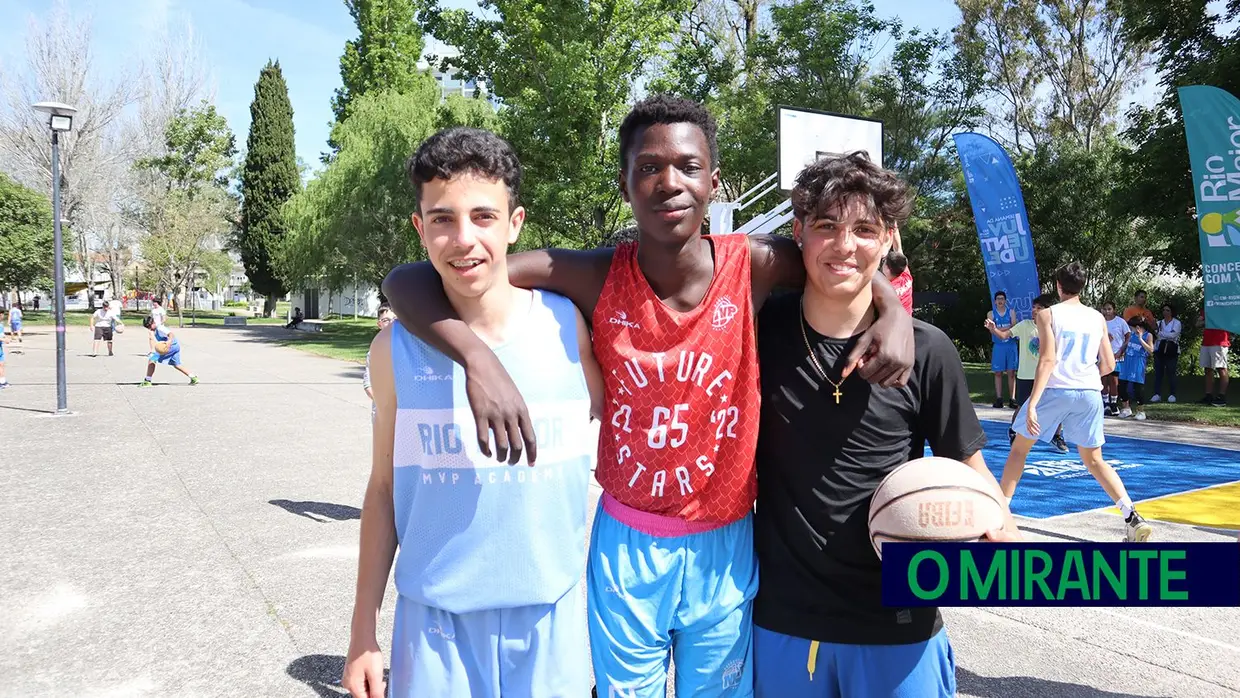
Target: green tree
x=384, y=56
x=352, y=221
x=268, y=179
x=200, y=148
x=457, y=110
x=1195, y=47
x=564, y=72
x=26, y=237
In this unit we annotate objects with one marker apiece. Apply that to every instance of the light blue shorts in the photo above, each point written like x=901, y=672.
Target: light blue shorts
x=526, y=652
x=920, y=670
x=1079, y=411
x=1004, y=357
x=690, y=594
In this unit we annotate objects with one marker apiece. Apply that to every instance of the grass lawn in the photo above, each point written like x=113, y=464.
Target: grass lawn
x=1189, y=389
x=345, y=339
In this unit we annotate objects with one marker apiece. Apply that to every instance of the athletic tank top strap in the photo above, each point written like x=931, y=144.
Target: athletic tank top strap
x=680, y=431
x=1079, y=332
x=475, y=533
x=1003, y=321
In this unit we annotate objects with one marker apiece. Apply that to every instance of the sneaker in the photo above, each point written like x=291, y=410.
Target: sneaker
x=1125, y=413
x=4, y=385
x=1219, y=401
x=1059, y=444
x=1138, y=530
x=997, y=404
x=1207, y=400
x=1170, y=398
x=1012, y=405
x=1156, y=398
x=1140, y=416
x=1011, y=437
x=193, y=380
x=144, y=384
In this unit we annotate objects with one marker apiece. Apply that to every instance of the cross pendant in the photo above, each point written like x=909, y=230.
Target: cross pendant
x=837, y=394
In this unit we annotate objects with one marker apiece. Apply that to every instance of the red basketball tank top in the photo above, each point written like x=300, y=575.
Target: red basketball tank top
x=681, y=422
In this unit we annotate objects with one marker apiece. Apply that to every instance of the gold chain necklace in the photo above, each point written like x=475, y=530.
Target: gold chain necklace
x=837, y=394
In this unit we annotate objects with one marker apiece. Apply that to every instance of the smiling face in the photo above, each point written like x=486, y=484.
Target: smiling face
x=1108, y=311
x=466, y=228
x=842, y=248
x=669, y=181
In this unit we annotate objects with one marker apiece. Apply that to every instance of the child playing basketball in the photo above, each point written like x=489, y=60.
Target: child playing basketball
x=165, y=349
x=1067, y=389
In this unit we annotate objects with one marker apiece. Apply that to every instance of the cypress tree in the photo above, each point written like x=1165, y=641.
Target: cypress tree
x=269, y=178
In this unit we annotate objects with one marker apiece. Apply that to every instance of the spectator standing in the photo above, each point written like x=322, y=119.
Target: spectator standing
x=1214, y=346
x=1138, y=309
x=1166, y=353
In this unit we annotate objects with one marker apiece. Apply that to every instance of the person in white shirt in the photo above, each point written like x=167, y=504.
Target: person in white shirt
x=158, y=312
x=1166, y=353
x=101, y=325
x=1067, y=389
x=1117, y=332
x=385, y=318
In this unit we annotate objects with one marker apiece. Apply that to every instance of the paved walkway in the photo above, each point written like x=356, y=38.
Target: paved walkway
x=202, y=541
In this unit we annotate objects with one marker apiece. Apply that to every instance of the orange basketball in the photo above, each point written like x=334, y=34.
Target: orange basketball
x=161, y=348
x=935, y=500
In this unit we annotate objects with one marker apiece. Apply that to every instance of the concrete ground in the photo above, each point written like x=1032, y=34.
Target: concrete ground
x=202, y=541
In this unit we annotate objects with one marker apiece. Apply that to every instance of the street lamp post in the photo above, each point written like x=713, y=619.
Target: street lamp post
x=60, y=119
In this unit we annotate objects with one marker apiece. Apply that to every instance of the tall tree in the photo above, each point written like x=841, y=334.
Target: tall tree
x=564, y=92
x=351, y=223
x=268, y=179
x=384, y=56
x=1058, y=68
x=1195, y=47
x=26, y=238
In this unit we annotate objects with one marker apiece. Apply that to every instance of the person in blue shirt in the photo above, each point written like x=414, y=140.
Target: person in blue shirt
x=489, y=556
x=1132, y=368
x=1005, y=353
x=159, y=332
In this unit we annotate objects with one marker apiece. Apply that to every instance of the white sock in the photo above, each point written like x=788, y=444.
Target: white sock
x=1125, y=505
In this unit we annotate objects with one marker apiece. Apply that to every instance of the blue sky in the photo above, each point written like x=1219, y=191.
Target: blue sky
x=307, y=36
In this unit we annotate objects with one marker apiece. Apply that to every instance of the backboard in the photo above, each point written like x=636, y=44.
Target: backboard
x=806, y=135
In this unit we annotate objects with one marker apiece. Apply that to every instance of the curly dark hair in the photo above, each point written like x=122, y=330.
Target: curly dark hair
x=834, y=180
x=666, y=109
x=1071, y=278
x=462, y=149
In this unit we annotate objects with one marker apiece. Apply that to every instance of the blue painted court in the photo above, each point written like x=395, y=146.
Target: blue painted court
x=1055, y=483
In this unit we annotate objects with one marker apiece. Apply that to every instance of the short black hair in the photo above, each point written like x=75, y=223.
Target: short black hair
x=1000, y=293
x=1071, y=278
x=897, y=262
x=1110, y=303
x=834, y=180
x=463, y=149
x=1140, y=292
x=383, y=308
x=666, y=109
x=148, y=322
x=1045, y=300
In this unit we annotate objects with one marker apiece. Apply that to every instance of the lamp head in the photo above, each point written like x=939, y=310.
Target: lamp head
x=61, y=115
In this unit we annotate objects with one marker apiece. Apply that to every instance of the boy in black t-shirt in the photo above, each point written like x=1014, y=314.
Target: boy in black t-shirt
x=825, y=443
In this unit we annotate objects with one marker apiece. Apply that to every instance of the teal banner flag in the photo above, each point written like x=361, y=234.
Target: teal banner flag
x=1212, y=122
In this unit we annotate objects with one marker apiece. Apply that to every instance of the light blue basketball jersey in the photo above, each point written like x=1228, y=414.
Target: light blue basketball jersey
x=474, y=533
x=1132, y=368
x=161, y=335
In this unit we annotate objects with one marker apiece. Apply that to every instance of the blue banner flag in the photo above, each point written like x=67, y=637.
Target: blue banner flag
x=1002, y=223
x=1212, y=124
x=1061, y=574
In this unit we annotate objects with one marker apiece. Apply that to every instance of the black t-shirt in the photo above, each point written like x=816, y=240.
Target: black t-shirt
x=819, y=464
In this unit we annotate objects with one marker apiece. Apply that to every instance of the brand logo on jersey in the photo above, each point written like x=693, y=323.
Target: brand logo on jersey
x=622, y=318
x=724, y=311
x=428, y=374
x=437, y=629
x=732, y=672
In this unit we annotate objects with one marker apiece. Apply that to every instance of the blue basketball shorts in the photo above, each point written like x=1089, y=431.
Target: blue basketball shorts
x=1005, y=356
x=793, y=667
x=687, y=596
x=172, y=358
x=524, y=652
x=1079, y=411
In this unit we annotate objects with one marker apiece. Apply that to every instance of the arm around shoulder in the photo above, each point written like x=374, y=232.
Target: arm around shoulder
x=577, y=274
x=590, y=367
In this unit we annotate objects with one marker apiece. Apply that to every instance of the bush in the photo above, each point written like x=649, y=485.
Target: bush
x=235, y=304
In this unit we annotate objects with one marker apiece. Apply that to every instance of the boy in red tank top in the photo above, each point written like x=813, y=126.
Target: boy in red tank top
x=671, y=563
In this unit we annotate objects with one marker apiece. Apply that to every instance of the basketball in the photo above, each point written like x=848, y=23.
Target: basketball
x=161, y=348
x=933, y=499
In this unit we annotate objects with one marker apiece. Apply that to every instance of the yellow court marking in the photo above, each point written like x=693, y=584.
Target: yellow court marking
x=1215, y=507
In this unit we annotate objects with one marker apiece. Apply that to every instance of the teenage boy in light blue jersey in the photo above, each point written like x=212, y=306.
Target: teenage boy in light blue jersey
x=491, y=556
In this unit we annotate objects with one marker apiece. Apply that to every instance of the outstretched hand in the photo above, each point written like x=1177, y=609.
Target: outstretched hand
x=499, y=409
x=884, y=352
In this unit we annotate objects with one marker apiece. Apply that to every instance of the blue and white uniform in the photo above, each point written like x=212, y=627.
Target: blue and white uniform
x=1005, y=354
x=173, y=357
x=15, y=320
x=1132, y=368
x=491, y=556
x=1073, y=395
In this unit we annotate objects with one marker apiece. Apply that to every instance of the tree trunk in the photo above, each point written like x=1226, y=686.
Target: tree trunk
x=269, y=306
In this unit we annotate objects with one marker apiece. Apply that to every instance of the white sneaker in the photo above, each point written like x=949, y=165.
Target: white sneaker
x=1156, y=398
x=1171, y=398
x=1140, y=416
x=1125, y=413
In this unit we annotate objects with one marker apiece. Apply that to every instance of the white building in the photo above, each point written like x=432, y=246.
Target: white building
x=361, y=301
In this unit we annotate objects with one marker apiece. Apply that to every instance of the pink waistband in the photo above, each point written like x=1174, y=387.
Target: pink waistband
x=654, y=524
